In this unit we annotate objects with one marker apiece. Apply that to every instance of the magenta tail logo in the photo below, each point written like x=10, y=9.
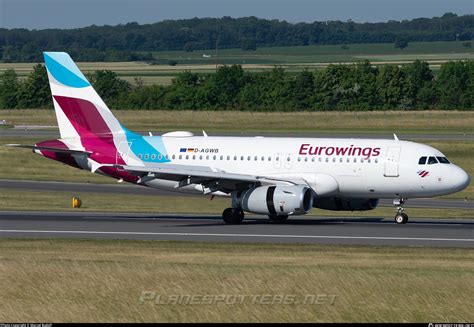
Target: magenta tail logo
x=423, y=173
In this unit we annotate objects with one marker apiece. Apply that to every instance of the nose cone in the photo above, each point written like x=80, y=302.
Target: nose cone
x=459, y=179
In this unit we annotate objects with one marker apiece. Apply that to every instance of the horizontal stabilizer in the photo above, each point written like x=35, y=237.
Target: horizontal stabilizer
x=47, y=148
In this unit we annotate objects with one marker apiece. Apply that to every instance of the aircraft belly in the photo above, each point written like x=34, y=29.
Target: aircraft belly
x=351, y=184
x=172, y=186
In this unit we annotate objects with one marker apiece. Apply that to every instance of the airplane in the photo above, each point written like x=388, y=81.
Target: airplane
x=274, y=176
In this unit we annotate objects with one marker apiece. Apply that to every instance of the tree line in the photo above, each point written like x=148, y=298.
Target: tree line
x=337, y=87
x=133, y=41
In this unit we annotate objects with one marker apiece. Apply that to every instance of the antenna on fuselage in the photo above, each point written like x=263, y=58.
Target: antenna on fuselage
x=395, y=137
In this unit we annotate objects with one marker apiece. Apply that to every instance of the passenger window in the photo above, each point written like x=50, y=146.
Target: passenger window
x=443, y=160
x=146, y=156
x=312, y=159
x=140, y=156
x=432, y=161
x=422, y=161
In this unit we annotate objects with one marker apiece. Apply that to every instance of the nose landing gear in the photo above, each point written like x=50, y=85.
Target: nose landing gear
x=400, y=217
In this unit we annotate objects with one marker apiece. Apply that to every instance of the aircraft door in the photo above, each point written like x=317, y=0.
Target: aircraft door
x=123, y=151
x=391, y=161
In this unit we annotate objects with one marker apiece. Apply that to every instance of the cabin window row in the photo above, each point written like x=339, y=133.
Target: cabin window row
x=255, y=158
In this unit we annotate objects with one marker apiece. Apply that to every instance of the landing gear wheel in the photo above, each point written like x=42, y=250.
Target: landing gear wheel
x=278, y=218
x=233, y=215
x=401, y=218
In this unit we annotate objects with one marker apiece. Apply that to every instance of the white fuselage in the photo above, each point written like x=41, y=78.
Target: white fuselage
x=360, y=168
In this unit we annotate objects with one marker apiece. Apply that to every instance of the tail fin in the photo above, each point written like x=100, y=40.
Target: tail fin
x=79, y=109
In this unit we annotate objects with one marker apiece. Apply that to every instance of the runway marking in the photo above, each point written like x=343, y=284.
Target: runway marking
x=243, y=235
x=309, y=219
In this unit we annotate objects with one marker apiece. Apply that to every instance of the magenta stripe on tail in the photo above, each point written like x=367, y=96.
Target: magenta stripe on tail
x=83, y=115
x=91, y=127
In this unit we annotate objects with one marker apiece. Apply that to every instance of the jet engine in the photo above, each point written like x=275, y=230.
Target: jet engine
x=275, y=200
x=340, y=204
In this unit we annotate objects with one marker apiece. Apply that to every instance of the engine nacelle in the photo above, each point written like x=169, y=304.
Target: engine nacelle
x=276, y=200
x=340, y=204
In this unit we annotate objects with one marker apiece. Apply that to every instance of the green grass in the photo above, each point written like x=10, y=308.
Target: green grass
x=410, y=122
x=60, y=280
x=12, y=200
x=324, y=54
x=293, y=59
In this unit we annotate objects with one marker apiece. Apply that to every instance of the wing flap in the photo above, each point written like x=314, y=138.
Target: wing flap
x=194, y=171
x=210, y=178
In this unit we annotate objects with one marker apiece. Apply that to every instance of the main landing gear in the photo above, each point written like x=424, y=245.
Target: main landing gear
x=401, y=217
x=233, y=215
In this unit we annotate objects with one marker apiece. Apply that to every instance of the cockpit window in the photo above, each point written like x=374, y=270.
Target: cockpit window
x=432, y=161
x=422, y=161
x=443, y=160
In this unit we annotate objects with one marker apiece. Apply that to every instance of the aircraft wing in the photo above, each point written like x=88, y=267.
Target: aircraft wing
x=51, y=149
x=212, y=179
